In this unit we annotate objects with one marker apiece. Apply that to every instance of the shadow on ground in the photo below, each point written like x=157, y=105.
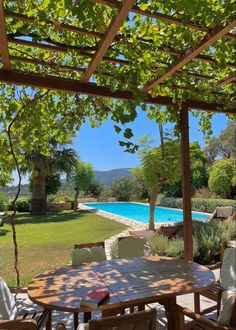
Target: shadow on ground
x=49, y=217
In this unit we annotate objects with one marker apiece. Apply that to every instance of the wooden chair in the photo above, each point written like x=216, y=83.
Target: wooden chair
x=202, y=323
x=87, y=315
x=130, y=247
x=223, y=213
x=145, y=320
x=20, y=320
x=89, y=245
x=215, y=291
x=170, y=231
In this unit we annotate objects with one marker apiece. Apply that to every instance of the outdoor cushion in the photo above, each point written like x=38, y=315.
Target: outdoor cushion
x=224, y=211
x=8, y=308
x=228, y=269
x=228, y=283
x=83, y=326
x=228, y=302
x=80, y=256
x=130, y=247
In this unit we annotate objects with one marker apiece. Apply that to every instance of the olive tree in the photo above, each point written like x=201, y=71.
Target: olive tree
x=158, y=166
x=222, y=177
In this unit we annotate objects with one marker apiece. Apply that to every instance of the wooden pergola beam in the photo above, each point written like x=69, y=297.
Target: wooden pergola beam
x=227, y=80
x=79, y=69
x=3, y=39
x=54, y=65
x=63, y=26
x=62, y=49
x=190, y=54
x=75, y=86
x=204, y=58
x=200, y=57
x=108, y=37
x=162, y=17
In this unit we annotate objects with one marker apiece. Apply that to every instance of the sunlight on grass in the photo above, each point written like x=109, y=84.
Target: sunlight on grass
x=45, y=242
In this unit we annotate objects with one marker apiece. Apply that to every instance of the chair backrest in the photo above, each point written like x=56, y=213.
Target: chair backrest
x=228, y=280
x=145, y=320
x=8, y=308
x=129, y=247
x=228, y=269
x=88, y=252
x=89, y=245
x=224, y=211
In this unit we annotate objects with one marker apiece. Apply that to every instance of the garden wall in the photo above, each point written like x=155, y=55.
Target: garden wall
x=198, y=204
x=59, y=206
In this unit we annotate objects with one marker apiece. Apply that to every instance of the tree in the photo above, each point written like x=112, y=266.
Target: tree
x=52, y=184
x=122, y=189
x=94, y=189
x=158, y=166
x=59, y=160
x=198, y=171
x=224, y=145
x=222, y=177
x=81, y=177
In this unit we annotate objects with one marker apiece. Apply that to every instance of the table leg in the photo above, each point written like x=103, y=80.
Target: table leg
x=76, y=322
x=49, y=321
x=87, y=316
x=173, y=318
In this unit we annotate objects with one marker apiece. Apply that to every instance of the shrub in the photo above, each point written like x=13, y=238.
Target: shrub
x=22, y=205
x=114, y=250
x=123, y=189
x=176, y=248
x=228, y=230
x=204, y=192
x=209, y=239
x=222, y=177
x=159, y=244
x=199, y=204
x=3, y=202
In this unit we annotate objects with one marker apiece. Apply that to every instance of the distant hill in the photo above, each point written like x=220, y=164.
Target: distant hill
x=104, y=177
x=107, y=177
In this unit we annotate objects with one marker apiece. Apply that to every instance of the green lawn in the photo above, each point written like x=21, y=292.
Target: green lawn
x=45, y=242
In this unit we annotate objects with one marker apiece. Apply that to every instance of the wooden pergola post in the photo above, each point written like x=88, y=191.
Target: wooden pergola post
x=186, y=183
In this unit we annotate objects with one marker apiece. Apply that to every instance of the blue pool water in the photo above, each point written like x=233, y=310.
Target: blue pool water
x=140, y=212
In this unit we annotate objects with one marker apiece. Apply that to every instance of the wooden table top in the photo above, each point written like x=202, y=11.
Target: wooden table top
x=130, y=281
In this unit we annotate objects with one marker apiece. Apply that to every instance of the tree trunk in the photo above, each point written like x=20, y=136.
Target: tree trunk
x=76, y=199
x=38, y=202
x=152, y=204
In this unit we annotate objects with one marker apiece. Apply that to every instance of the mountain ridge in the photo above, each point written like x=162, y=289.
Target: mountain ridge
x=104, y=177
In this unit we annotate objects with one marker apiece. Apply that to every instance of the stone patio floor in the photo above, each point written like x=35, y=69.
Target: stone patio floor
x=67, y=318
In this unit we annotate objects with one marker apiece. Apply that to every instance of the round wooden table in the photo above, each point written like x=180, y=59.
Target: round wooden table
x=130, y=282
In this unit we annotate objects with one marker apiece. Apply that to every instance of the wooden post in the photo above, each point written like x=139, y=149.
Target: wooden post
x=186, y=184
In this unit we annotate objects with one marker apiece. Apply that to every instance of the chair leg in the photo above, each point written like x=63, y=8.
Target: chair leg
x=87, y=317
x=49, y=321
x=141, y=307
x=197, y=303
x=76, y=321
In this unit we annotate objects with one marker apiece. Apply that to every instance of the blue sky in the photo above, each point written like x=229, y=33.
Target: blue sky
x=100, y=145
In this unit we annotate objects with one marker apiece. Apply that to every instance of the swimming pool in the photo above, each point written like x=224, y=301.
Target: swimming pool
x=140, y=212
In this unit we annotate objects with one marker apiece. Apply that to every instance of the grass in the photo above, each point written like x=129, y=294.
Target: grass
x=45, y=242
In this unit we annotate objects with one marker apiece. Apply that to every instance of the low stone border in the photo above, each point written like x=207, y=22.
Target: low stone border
x=133, y=224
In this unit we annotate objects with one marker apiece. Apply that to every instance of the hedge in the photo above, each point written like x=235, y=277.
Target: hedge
x=198, y=204
x=23, y=204
x=3, y=202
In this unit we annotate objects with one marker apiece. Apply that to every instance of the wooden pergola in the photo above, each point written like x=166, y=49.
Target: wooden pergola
x=172, y=70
